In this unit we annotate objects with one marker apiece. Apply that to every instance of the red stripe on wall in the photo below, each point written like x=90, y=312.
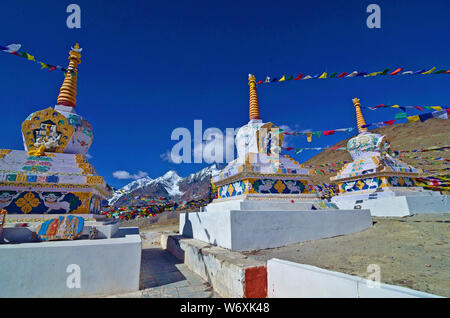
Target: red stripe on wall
x=255, y=282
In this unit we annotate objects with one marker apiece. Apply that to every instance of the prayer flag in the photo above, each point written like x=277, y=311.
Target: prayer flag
x=413, y=118
x=324, y=75
x=299, y=77
x=440, y=114
x=13, y=48
x=282, y=79
x=430, y=71
x=424, y=117
x=400, y=115
x=396, y=71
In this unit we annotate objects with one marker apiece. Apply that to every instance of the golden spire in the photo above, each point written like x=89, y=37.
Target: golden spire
x=359, y=116
x=68, y=92
x=254, y=108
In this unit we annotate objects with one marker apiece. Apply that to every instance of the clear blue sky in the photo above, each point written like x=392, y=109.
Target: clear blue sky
x=151, y=66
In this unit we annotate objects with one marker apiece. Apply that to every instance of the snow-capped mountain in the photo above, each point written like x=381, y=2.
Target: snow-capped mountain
x=170, y=185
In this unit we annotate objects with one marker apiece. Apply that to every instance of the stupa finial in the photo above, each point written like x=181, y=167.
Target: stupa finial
x=68, y=92
x=359, y=116
x=254, y=107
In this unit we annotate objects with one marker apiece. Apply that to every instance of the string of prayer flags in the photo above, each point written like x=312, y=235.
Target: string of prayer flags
x=425, y=158
x=14, y=50
x=442, y=114
x=387, y=72
x=299, y=150
x=445, y=148
x=330, y=164
x=403, y=108
x=317, y=134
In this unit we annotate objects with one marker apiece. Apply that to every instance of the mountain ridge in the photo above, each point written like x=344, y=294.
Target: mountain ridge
x=170, y=185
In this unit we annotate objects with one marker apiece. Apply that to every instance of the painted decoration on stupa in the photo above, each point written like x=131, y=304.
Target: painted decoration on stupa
x=52, y=175
x=373, y=166
x=61, y=228
x=260, y=168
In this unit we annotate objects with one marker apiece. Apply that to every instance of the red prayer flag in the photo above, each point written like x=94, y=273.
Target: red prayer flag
x=289, y=148
x=396, y=71
x=342, y=74
x=378, y=106
x=298, y=77
x=328, y=132
x=419, y=108
x=389, y=122
x=260, y=82
x=52, y=68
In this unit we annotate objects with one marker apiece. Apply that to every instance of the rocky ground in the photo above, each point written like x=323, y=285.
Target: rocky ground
x=413, y=252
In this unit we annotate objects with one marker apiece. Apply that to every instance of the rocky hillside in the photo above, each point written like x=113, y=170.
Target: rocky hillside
x=408, y=136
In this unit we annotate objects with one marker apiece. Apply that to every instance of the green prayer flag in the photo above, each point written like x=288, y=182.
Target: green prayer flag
x=290, y=78
x=400, y=115
x=384, y=72
x=333, y=75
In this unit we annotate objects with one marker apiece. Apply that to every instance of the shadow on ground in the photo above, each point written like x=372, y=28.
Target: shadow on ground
x=158, y=268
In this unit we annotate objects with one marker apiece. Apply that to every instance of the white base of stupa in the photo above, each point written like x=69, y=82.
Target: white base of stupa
x=398, y=203
x=262, y=224
x=263, y=202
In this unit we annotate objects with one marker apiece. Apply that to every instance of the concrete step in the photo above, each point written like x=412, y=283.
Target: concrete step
x=231, y=274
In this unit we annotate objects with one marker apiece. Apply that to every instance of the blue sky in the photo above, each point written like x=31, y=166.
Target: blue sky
x=151, y=66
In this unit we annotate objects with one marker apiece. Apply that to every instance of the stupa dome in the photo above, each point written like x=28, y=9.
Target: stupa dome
x=366, y=144
x=60, y=129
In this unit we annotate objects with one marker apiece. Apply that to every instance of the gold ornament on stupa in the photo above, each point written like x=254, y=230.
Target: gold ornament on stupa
x=68, y=92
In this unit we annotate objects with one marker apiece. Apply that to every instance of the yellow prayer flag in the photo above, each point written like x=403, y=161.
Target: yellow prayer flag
x=395, y=106
x=430, y=71
x=282, y=79
x=309, y=137
x=324, y=75
x=374, y=73
x=436, y=107
x=30, y=57
x=413, y=118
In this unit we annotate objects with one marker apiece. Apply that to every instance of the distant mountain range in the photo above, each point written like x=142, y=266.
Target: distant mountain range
x=170, y=185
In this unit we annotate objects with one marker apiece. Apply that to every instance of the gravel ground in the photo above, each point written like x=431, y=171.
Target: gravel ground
x=412, y=252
